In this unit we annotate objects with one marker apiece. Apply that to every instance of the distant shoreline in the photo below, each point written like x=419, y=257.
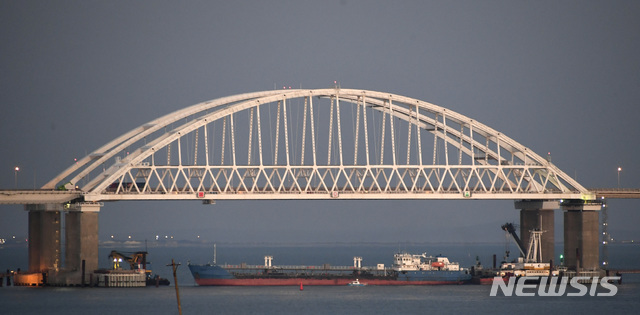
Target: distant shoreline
x=203, y=243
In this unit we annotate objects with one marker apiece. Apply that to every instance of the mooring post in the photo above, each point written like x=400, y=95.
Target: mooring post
x=175, y=280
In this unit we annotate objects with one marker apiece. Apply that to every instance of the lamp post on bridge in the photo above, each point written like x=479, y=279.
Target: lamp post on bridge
x=619, y=169
x=16, y=169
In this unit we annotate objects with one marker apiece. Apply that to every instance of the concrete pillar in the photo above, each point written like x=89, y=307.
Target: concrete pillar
x=81, y=234
x=538, y=214
x=581, y=235
x=44, y=237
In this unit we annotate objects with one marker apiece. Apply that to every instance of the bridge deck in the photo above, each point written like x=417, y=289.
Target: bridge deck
x=42, y=196
x=37, y=196
x=617, y=193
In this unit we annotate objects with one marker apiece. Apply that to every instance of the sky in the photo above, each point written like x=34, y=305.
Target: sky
x=557, y=76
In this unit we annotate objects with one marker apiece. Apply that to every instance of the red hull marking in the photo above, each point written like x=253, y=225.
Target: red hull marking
x=298, y=281
x=486, y=280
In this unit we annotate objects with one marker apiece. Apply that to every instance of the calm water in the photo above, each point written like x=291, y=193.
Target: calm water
x=312, y=300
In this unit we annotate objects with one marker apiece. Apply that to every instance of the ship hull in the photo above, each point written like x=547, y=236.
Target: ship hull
x=313, y=282
x=213, y=275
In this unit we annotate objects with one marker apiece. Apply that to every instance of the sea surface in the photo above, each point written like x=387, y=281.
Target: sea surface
x=459, y=299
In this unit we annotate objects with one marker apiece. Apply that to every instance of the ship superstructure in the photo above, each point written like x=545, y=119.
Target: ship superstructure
x=412, y=262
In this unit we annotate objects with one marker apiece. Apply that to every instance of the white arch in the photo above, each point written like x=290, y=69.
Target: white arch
x=529, y=180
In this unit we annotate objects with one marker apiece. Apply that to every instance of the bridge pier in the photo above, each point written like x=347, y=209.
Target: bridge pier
x=81, y=248
x=581, y=235
x=538, y=214
x=44, y=237
x=80, y=238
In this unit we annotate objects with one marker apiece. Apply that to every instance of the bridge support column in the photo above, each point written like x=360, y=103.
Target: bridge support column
x=538, y=215
x=81, y=250
x=44, y=237
x=581, y=235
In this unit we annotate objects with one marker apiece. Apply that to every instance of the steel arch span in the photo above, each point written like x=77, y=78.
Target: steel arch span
x=315, y=144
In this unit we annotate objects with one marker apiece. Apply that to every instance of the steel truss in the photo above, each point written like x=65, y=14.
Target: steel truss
x=316, y=144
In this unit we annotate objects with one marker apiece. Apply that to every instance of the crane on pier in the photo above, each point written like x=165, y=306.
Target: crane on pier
x=509, y=228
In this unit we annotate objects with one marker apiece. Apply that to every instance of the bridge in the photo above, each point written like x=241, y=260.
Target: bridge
x=305, y=144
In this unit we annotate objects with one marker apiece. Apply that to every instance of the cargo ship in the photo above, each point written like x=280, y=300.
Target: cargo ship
x=407, y=269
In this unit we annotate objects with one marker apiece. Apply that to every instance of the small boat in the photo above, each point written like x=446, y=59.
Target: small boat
x=356, y=283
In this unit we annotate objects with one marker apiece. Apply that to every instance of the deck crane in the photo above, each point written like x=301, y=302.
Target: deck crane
x=512, y=230
x=529, y=264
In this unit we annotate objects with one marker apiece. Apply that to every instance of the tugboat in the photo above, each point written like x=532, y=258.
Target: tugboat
x=356, y=283
x=481, y=275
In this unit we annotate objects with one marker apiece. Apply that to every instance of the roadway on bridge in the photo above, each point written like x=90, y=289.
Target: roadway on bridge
x=617, y=193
